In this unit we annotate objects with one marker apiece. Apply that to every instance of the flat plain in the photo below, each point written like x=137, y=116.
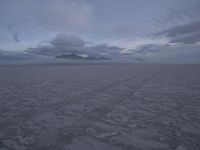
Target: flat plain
x=100, y=107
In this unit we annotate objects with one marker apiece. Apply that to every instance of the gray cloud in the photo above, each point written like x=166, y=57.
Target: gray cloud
x=183, y=29
x=63, y=40
x=12, y=29
x=61, y=15
x=149, y=49
x=128, y=24
x=187, y=39
x=167, y=53
x=9, y=56
x=187, y=33
x=104, y=49
x=176, y=54
x=63, y=44
x=16, y=37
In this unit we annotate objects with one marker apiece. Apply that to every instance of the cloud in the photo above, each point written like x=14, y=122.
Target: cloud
x=187, y=33
x=16, y=37
x=187, y=39
x=63, y=40
x=105, y=50
x=63, y=44
x=10, y=56
x=12, y=29
x=176, y=54
x=32, y=21
x=168, y=53
x=150, y=49
x=62, y=15
x=183, y=29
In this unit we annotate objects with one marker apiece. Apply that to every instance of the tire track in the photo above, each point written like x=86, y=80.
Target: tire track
x=87, y=120
x=80, y=98
x=119, y=99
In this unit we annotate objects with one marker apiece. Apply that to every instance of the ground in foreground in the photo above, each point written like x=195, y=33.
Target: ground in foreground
x=100, y=107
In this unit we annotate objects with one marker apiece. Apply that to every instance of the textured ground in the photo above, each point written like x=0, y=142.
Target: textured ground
x=100, y=107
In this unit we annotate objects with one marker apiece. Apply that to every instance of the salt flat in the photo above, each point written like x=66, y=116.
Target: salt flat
x=100, y=107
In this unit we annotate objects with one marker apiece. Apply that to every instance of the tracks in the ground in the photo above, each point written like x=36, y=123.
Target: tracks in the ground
x=140, y=78
x=96, y=114
x=82, y=98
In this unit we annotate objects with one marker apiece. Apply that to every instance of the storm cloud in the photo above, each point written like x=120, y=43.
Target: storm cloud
x=148, y=48
x=187, y=39
x=183, y=29
x=128, y=30
x=7, y=57
x=186, y=33
x=16, y=37
x=63, y=44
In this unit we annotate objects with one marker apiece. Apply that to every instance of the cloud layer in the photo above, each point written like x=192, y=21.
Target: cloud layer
x=63, y=44
x=186, y=33
x=15, y=57
x=128, y=30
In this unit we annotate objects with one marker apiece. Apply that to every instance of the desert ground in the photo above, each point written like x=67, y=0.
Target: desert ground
x=100, y=107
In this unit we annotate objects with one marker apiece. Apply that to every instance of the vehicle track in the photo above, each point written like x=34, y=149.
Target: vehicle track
x=82, y=97
x=88, y=118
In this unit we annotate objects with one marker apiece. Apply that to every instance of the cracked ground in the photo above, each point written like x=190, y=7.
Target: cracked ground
x=100, y=107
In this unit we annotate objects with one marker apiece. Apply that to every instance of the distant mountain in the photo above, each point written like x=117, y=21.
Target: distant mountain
x=80, y=57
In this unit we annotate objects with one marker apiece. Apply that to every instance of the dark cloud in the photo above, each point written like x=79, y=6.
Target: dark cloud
x=16, y=37
x=167, y=53
x=181, y=53
x=14, y=56
x=187, y=39
x=63, y=44
x=149, y=48
x=139, y=59
x=63, y=40
x=187, y=33
x=183, y=29
x=128, y=24
x=104, y=49
x=13, y=27
x=43, y=50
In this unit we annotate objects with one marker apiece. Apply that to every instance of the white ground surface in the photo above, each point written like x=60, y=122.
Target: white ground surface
x=100, y=107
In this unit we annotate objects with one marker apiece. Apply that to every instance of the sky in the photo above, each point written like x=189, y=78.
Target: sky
x=150, y=31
